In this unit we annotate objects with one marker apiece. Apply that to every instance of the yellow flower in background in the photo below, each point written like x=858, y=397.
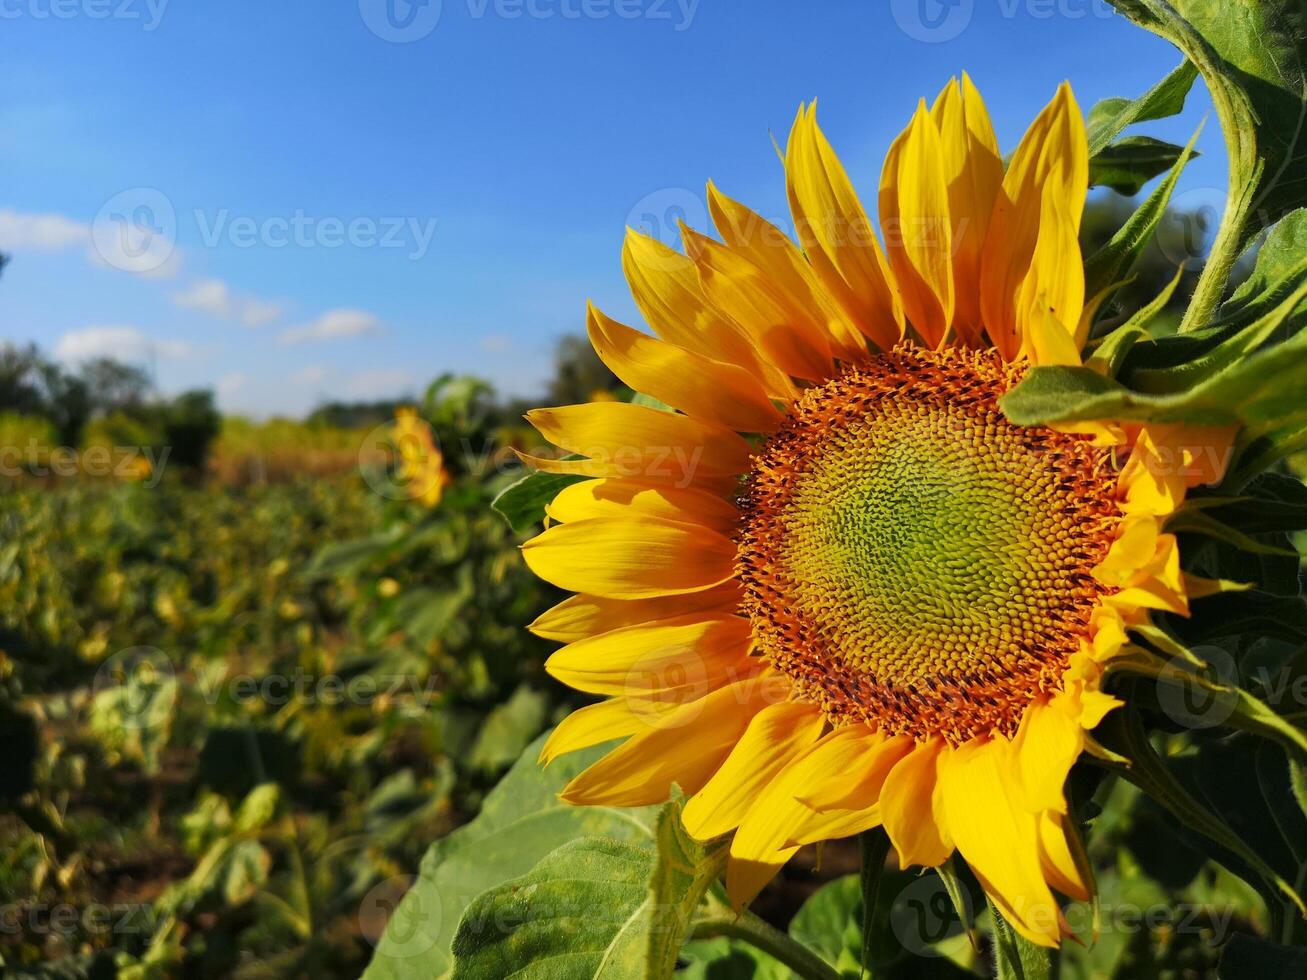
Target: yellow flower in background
x=421, y=463
x=838, y=589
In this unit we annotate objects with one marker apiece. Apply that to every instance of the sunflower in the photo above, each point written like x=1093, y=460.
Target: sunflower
x=421, y=470
x=834, y=588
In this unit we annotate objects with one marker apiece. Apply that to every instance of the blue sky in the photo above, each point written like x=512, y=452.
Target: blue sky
x=301, y=199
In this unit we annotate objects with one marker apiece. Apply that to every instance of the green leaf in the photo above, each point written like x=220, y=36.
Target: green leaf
x=521, y=821
x=1123, y=732
x=829, y=923
x=682, y=874
x=582, y=913
x=729, y=959
x=1246, y=957
x=1251, y=55
x=258, y=808
x=1112, y=262
x=1272, y=502
x=523, y=503
x=1281, y=263
x=595, y=908
x=509, y=728
x=1193, y=521
x=1126, y=165
x=1116, y=346
x=1259, y=391
x=1108, y=118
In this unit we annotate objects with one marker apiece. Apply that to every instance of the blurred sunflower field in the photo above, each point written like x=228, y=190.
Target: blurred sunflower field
x=239, y=704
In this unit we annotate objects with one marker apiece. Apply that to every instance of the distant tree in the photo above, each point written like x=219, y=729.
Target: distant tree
x=190, y=422
x=578, y=373
x=355, y=415
x=115, y=386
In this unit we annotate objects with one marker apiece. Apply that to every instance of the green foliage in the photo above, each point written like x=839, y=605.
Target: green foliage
x=521, y=822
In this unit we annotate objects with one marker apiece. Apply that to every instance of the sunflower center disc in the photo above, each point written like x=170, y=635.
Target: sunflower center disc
x=911, y=558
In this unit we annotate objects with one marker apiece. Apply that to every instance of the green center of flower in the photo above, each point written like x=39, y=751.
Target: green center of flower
x=913, y=559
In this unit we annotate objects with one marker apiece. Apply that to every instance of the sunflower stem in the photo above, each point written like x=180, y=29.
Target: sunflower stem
x=874, y=848
x=760, y=935
x=1017, y=958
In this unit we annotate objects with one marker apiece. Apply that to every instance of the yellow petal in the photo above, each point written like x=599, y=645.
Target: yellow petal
x=835, y=233
x=1045, y=748
x=644, y=443
x=798, y=287
x=685, y=749
x=1152, y=479
x=694, y=652
x=1047, y=340
x=776, y=735
x=1052, y=157
x=867, y=759
x=697, y=385
x=641, y=559
x=973, y=172
x=914, y=212
x=1060, y=867
x=761, y=845
x=631, y=498
x=850, y=803
x=909, y=807
x=741, y=289
x=592, y=725
x=1054, y=286
x=998, y=838
x=665, y=286
x=582, y=616
x=1127, y=561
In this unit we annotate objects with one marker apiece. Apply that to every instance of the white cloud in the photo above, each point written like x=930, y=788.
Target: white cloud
x=40, y=232
x=230, y=384
x=310, y=374
x=214, y=297
x=154, y=257
x=495, y=344
x=333, y=325
x=258, y=312
x=119, y=342
x=379, y=383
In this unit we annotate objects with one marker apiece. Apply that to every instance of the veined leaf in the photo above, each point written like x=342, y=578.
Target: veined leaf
x=1109, y=117
x=1261, y=391
x=1126, y=165
x=523, y=504
x=593, y=909
x=1253, y=57
x=1111, y=262
x=521, y=821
